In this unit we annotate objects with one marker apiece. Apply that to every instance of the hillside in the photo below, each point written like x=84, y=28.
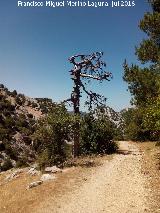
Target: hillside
x=18, y=118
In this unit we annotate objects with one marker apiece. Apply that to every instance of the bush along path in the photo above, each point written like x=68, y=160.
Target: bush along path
x=115, y=186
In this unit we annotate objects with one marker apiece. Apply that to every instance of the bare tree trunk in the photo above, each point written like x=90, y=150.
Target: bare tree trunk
x=76, y=103
x=76, y=140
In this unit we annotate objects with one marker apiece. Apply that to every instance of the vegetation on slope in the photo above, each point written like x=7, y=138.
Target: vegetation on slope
x=42, y=131
x=18, y=120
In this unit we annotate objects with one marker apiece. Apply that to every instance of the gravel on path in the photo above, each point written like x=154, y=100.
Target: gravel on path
x=117, y=186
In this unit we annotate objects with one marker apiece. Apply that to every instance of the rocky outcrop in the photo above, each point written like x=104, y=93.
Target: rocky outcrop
x=18, y=119
x=13, y=175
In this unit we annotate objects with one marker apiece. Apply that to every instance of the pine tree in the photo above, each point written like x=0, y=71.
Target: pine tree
x=144, y=83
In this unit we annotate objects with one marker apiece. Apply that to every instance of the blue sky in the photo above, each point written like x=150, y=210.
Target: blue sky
x=35, y=44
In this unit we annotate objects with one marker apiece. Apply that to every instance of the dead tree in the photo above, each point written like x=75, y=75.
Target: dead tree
x=86, y=67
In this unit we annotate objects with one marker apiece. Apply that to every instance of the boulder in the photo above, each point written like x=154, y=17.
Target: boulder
x=46, y=177
x=34, y=184
x=33, y=171
x=14, y=175
x=53, y=169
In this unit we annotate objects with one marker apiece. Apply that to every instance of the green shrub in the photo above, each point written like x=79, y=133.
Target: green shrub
x=4, y=133
x=6, y=105
x=97, y=135
x=14, y=93
x=29, y=115
x=6, y=165
x=22, y=162
x=29, y=103
x=27, y=140
x=43, y=159
x=25, y=131
x=34, y=105
x=50, y=135
x=21, y=121
x=1, y=86
x=9, y=122
x=9, y=150
x=18, y=100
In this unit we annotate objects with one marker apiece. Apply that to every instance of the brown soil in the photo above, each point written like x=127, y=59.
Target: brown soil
x=124, y=182
x=15, y=198
x=151, y=170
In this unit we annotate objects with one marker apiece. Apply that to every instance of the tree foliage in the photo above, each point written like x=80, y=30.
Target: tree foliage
x=50, y=135
x=144, y=83
x=151, y=118
x=97, y=135
x=53, y=133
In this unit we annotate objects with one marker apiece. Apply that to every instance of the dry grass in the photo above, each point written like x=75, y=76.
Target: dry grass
x=15, y=198
x=88, y=161
x=151, y=169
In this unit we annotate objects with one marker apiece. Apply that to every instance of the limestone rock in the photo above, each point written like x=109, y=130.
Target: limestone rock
x=34, y=184
x=53, y=169
x=14, y=175
x=33, y=171
x=46, y=177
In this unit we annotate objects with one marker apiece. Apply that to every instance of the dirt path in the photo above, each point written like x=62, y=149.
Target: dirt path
x=117, y=186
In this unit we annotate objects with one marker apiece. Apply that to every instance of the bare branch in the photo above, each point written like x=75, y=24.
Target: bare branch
x=92, y=61
x=94, y=98
x=105, y=76
x=90, y=76
x=67, y=100
x=89, y=67
x=84, y=89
